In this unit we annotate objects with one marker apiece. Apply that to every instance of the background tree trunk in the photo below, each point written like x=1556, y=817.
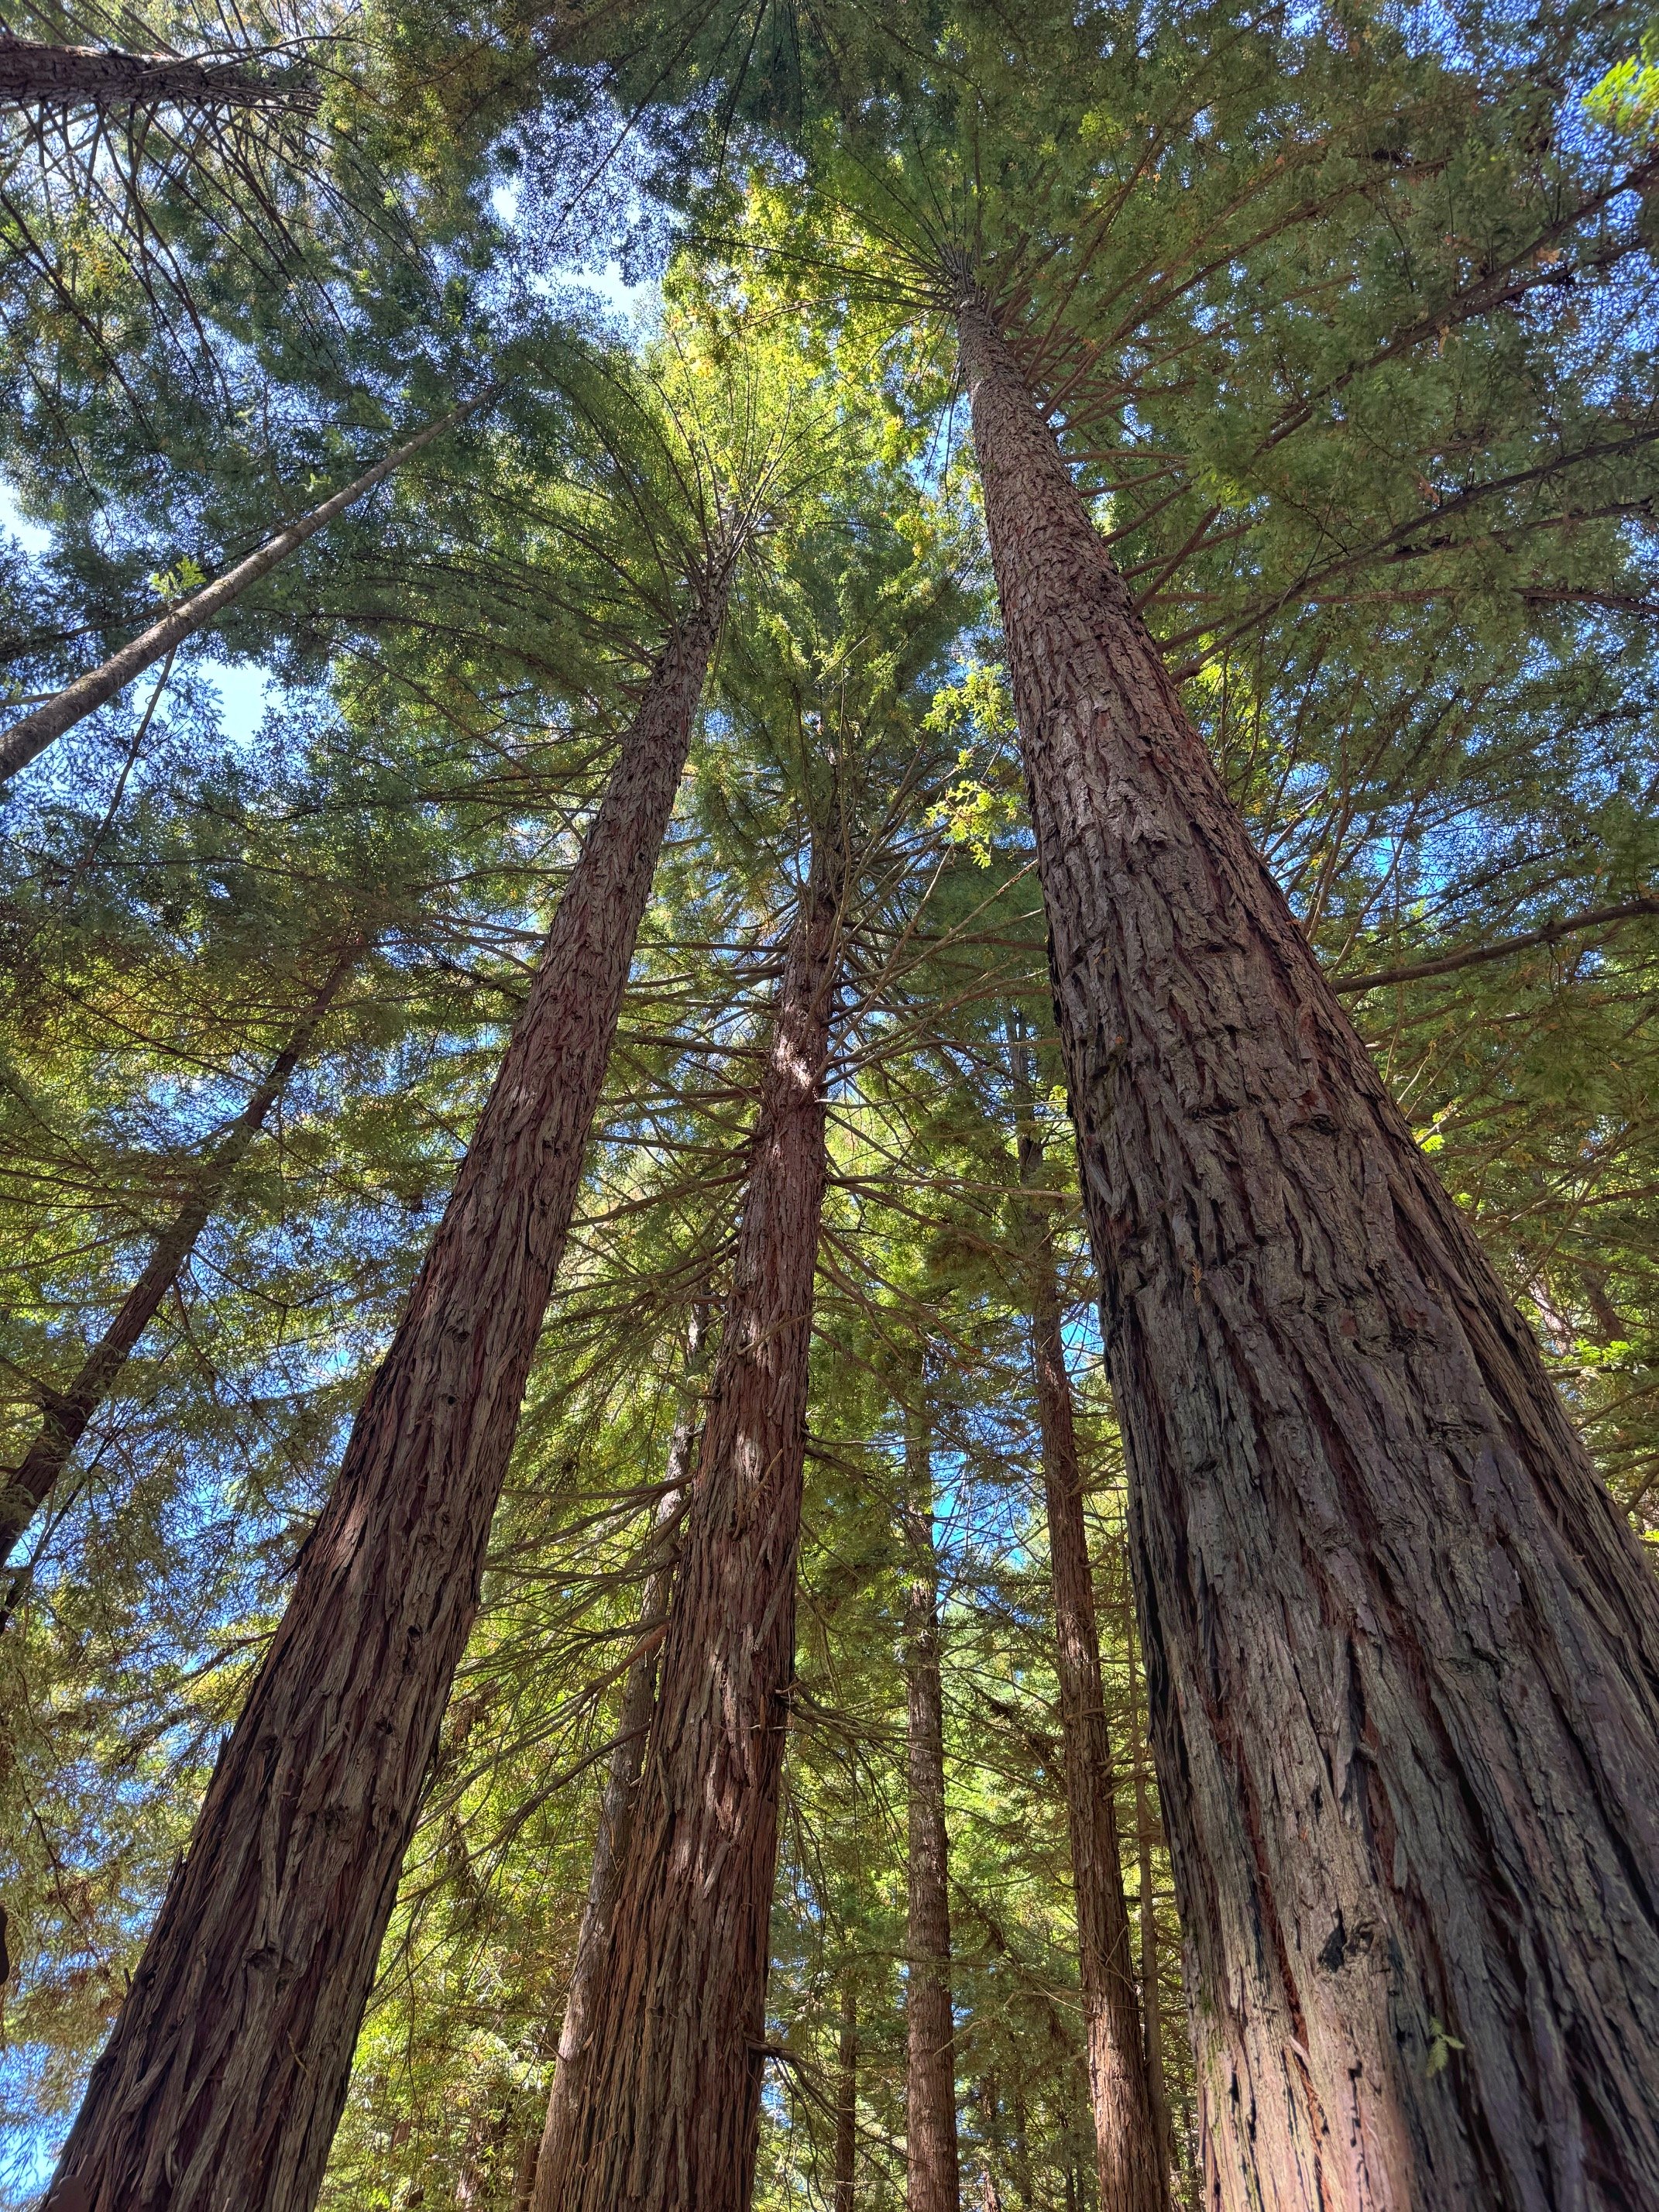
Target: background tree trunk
x=37, y=74
x=847, y=2101
x=668, y=2108
x=222, y=2080
x=622, y=1776
x=932, y=2182
x=1402, y=1655
x=67, y=1412
x=1152, y=2011
x=1134, y=2176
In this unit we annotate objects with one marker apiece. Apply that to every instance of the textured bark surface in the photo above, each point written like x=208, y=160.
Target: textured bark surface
x=1129, y=2156
x=668, y=2115
x=1402, y=1655
x=223, y=2082
x=932, y=2179
x=621, y=1787
x=24, y=740
x=1151, y=2012
x=64, y=1421
x=35, y=73
x=847, y=2104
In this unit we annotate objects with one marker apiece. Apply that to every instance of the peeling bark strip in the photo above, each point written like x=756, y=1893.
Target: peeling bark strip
x=668, y=2113
x=37, y=74
x=1128, y=2150
x=931, y=2157
x=623, y=1773
x=1403, y=1656
x=67, y=1412
x=221, y=2084
x=21, y=743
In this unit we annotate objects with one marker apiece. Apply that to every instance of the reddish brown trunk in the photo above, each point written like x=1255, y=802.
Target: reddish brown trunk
x=224, y=2077
x=621, y=1784
x=1402, y=1655
x=67, y=1412
x=668, y=2112
x=36, y=74
x=932, y=2182
x=847, y=2102
x=1127, y=2156
x=1151, y=2010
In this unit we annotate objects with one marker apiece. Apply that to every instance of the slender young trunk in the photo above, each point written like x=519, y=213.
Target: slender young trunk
x=223, y=2079
x=67, y=1412
x=21, y=743
x=933, y=2181
x=36, y=74
x=1151, y=2010
x=623, y=1773
x=1402, y=1655
x=847, y=2101
x=668, y=2112
x=1134, y=2177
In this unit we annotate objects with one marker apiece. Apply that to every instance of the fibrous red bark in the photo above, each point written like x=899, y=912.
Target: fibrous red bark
x=621, y=1782
x=668, y=2112
x=931, y=2153
x=68, y=1412
x=1402, y=1655
x=38, y=74
x=1128, y=2154
x=223, y=2082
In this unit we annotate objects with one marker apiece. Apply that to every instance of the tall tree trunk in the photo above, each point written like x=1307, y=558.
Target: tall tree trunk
x=37, y=74
x=223, y=2079
x=1402, y=1655
x=933, y=2181
x=64, y=1421
x=21, y=743
x=847, y=2101
x=623, y=1773
x=669, y=2109
x=1134, y=2177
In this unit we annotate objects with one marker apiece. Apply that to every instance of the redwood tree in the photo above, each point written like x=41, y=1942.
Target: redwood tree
x=1403, y=1655
x=227, y=2065
x=668, y=2109
x=932, y=2166
x=1128, y=2146
x=67, y=1412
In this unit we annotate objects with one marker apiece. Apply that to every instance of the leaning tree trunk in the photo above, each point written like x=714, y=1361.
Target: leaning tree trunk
x=64, y=1421
x=223, y=2082
x=623, y=1773
x=1129, y=2156
x=24, y=740
x=1402, y=1655
x=38, y=75
x=669, y=2109
x=932, y=2177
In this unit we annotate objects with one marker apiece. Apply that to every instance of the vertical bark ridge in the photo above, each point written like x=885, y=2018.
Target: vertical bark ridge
x=222, y=2080
x=668, y=2109
x=1128, y=2154
x=67, y=1412
x=622, y=1778
x=1402, y=1654
x=932, y=2155
x=1152, y=2014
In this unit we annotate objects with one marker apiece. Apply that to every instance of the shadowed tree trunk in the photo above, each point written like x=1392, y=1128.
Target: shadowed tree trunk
x=668, y=2108
x=847, y=2101
x=932, y=2182
x=1402, y=1655
x=64, y=1421
x=223, y=2079
x=24, y=740
x=36, y=74
x=1134, y=2177
x=626, y=1759
x=1152, y=2011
